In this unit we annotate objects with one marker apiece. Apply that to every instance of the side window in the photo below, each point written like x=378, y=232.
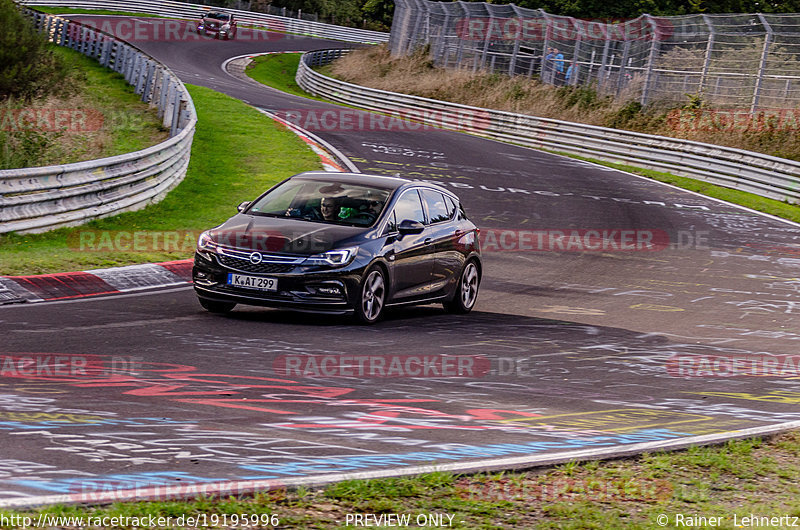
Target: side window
x=452, y=207
x=437, y=209
x=409, y=207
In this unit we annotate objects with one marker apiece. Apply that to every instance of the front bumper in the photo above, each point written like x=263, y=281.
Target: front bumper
x=299, y=288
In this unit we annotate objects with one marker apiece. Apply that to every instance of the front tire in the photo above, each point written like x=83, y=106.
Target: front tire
x=213, y=306
x=372, y=297
x=466, y=291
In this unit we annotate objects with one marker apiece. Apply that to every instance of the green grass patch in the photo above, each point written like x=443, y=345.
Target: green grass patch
x=734, y=479
x=237, y=153
x=742, y=198
x=278, y=71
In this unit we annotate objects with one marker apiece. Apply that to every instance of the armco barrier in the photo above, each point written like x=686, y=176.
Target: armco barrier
x=186, y=10
x=764, y=175
x=42, y=198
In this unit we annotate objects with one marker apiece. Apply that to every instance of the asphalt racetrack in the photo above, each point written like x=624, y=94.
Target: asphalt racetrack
x=681, y=328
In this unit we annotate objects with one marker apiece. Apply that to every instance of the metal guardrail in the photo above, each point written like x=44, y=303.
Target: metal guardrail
x=186, y=10
x=42, y=198
x=764, y=175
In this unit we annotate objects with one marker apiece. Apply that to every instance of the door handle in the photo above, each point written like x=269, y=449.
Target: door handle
x=428, y=241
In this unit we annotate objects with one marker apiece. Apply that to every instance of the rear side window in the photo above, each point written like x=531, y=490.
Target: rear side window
x=409, y=207
x=437, y=208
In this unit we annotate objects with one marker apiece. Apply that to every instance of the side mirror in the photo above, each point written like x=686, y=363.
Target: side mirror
x=243, y=206
x=407, y=226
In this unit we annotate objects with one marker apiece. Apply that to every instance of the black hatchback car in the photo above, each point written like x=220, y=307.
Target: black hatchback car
x=342, y=243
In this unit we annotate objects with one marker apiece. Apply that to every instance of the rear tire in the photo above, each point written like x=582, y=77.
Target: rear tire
x=371, y=297
x=213, y=306
x=466, y=291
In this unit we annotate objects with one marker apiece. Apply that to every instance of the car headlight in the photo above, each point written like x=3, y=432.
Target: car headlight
x=205, y=243
x=332, y=258
x=226, y=27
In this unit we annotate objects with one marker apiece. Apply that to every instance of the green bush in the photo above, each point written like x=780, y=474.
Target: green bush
x=28, y=68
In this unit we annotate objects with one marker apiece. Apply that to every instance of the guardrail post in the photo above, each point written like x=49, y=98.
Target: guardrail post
x=62, y=41
x=166, y=82
x=148, y=83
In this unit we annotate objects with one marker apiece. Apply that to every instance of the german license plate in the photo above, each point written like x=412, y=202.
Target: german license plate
x=253, y=282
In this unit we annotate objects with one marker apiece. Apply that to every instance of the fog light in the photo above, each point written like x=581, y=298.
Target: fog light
x=333, y=291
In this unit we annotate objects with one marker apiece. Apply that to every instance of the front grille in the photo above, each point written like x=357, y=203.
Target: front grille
x=258, y=268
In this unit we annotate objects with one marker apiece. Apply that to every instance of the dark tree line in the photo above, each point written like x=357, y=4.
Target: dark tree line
x=380, y=12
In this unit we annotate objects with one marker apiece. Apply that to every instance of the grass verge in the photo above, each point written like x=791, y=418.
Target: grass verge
x=731, y=482
x=278, y=71
x=237, y=153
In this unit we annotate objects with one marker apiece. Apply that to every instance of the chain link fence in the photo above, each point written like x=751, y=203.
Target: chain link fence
x=745, y=61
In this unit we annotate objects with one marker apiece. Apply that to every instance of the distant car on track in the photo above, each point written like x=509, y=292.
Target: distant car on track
x=342, y=243
x=218, y=23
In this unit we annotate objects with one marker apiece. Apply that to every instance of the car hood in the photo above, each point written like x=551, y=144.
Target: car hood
x=282, y=235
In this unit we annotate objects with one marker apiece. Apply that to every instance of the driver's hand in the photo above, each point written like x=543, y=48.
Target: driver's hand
x=293, y=212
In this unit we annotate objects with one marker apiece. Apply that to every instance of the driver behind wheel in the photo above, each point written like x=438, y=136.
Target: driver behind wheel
x=329, y=207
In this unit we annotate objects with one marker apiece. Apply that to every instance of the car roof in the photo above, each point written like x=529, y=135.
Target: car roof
x=378, y=181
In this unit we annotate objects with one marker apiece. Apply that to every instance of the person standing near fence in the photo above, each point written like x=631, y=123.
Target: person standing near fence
x=571, y=71
x=547, y=66
x=558, y=60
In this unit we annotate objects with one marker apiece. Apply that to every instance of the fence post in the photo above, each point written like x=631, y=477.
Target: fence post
x=763, y=64
x=709, y=51
x=601, y=72
x=487, y=39
x=625, y=52
x=574, y=75
x=654, y=49
x=512, y=67
x=460, y=52
x=442, y=48
x=546, y=69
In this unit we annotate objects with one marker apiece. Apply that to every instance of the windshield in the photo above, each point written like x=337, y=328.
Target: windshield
x=218, y=16
x=323, y=202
